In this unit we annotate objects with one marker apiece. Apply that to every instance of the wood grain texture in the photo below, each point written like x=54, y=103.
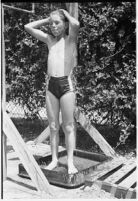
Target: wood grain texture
x=129, y=181
x=124, y=188
x=121, y=172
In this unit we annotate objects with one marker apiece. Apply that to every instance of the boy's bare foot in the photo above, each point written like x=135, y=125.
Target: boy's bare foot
x=72, y=169
x=52, y=165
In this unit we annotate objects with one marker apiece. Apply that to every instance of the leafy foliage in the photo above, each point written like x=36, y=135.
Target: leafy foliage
x=106, y=62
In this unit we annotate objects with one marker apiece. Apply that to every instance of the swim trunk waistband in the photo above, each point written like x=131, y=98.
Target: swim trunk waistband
x=58, y=78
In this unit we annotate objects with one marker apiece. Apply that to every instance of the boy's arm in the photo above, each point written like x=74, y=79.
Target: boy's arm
x=74, y=25
x=32, y=28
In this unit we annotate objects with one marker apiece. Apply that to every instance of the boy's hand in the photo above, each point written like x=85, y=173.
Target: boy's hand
x=65, y=12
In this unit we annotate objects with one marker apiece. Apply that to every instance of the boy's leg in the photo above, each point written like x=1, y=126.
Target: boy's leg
x=67, y=104
x=52, y=106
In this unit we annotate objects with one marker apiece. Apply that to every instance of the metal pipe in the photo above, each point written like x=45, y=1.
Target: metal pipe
x=4, y=138
x=20, y=9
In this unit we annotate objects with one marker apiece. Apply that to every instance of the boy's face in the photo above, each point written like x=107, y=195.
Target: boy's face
x=57, y=25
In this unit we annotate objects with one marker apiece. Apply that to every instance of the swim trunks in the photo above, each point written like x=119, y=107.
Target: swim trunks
x=59, y=86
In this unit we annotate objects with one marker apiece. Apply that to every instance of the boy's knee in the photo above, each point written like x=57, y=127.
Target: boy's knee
x=68, y=127
x=54, y=127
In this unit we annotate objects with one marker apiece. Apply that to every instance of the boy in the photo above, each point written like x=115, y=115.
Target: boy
x=60, y=94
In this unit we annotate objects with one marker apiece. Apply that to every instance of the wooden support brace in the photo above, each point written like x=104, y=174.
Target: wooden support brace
x=43, y=136
x=25, y=155
x=93, y=132
x=46, y=133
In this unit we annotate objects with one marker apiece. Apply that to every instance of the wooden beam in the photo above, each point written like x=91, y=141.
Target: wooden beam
x=94, y=133
x=121, y=173
x=43, y=136
x=129, y=181
x=25, y=156
x=73, y=10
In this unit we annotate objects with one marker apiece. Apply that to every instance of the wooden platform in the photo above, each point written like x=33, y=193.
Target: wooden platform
x=117, y=177
x=16, y=187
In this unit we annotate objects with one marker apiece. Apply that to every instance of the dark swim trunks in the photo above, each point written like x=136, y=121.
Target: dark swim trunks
x=59, y=86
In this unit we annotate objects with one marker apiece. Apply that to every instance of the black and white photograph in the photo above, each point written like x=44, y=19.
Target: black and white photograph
x=68, y=100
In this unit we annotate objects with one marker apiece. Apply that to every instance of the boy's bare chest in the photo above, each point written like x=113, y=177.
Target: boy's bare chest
x=61, y=48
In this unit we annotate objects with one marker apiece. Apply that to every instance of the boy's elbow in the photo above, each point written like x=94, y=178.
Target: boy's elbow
x=26, y=27
x=76, y=24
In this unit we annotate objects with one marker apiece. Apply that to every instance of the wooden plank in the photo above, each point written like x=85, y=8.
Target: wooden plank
x=116, y=190
x=93, y=132
x=102, y=170
x=129, y=181
x=25, y=156
x=121, y=173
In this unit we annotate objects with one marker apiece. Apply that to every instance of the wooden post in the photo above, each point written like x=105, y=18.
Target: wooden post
x=4, y=140
x=93, y=132
x=73, y=10
x=25, y=156
x=43, y=136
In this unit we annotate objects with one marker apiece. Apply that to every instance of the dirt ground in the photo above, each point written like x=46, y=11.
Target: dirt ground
x=16, y=187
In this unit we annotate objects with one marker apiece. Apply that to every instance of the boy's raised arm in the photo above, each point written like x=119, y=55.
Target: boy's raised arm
x=32, y=28
x=74, y=24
